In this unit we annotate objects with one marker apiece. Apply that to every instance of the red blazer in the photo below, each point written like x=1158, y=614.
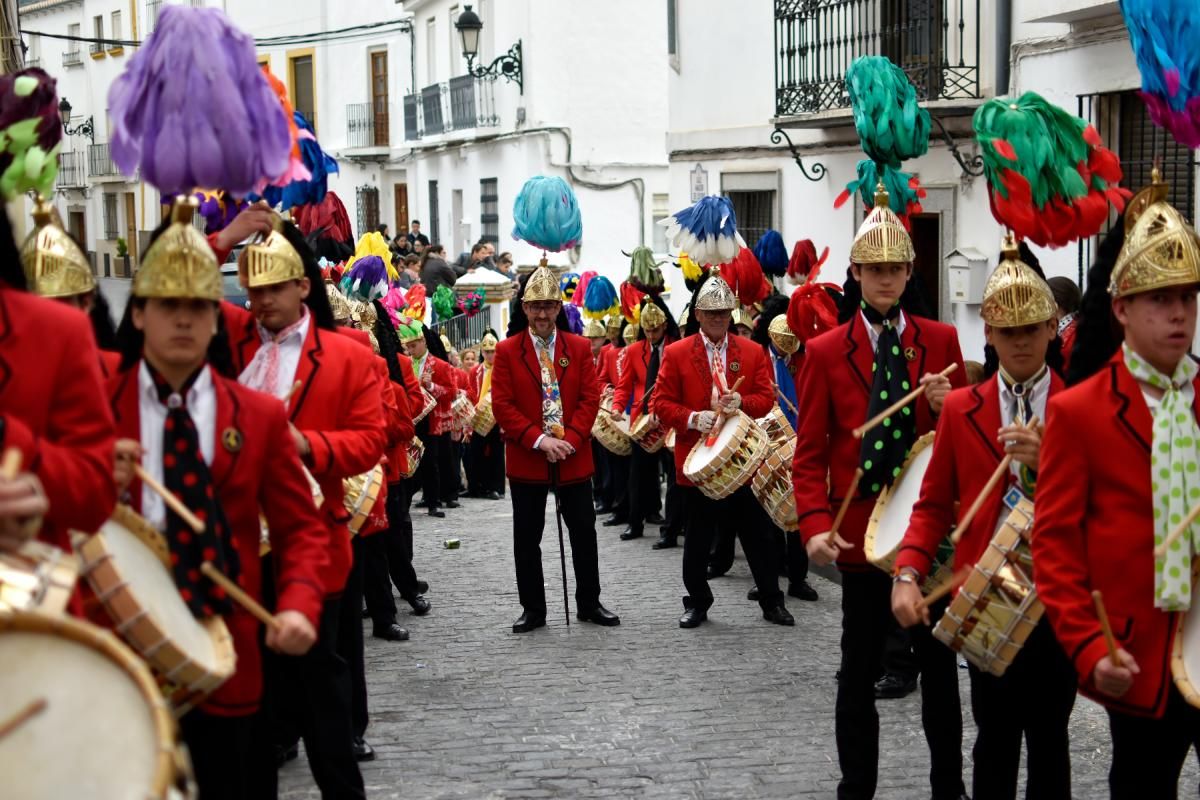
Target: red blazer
x=965, y=454
x=262, y=470
x=1093, y=529
x=632, y=381
x=517, y=405
x=110, y=363
x=612, y=368
x=684, y=385
x=834, y=390
x=52, y=409
x=475, y=382
x=444, y=390
x=398, y=424
x=337, y=408
x=412, y=386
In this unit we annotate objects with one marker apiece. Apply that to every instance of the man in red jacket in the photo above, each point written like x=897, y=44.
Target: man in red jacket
x=436, y=376
x=977, y=426
x=696, y=381
x=545, y=400
x=487, y=452
x=850, y=374
x=1118, y=473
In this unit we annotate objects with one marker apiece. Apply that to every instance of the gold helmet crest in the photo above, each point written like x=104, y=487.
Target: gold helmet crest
x=1160, y=247
x=180, y=263
x=1015, y=295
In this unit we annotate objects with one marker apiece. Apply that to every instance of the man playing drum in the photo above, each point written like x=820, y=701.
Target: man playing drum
x=693, y=394
x=850, y=374
x=1119, y=474
x=977, y=427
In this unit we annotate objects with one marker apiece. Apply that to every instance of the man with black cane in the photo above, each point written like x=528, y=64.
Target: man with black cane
x=545, y=398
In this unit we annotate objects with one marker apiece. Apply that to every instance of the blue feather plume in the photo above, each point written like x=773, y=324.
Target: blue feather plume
x=771, y=253
x=546, y=214
x=318, y=162
x=706, y=231
x=367, y=280
x=600, y=299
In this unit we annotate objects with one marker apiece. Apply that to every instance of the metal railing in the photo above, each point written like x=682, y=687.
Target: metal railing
x=461, y=103
x=70, y=170
x=33, y=62
x=96, y=47
x=72, y=58
x=461, y=330
x=100, y=162
x=152, y=9
x=365, y=127
x=935, y=41
x=431, y=110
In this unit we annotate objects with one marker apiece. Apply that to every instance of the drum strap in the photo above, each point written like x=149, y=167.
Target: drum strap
x=885, y=447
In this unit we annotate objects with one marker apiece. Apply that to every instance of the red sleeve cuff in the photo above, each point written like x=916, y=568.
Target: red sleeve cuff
x=913, y=558
x=303, y=597
x=16, y=433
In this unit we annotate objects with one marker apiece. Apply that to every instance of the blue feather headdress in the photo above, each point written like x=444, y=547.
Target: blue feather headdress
x=546, y=214
x=771, y=253
x=600, y=299
x=317, y=161
x=706, y=231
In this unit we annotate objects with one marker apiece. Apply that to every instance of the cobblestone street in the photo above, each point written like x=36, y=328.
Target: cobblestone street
x=736, y=709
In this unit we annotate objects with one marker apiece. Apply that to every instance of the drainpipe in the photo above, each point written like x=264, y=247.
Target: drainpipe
x=1003, y=45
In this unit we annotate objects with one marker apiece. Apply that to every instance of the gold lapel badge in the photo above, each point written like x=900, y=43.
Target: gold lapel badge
x=564, y=362
x=910, y=353
x=231, y=438
x=734, y=366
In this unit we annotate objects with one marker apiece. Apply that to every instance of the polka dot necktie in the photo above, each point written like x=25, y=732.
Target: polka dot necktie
x=187, y=477
x=885, y=447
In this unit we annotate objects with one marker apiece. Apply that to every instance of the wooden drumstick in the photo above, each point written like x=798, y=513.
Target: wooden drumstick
x=287, y=398
x=1106, y=628
x=958, y=580
x=1178, y=531
x=720, y=420
x=238, y=594
x=845, y=506
x=988, y=488
x=170, y=499
x=10, y=463
x=783, y=397
x=878, y=419
x=21, y=717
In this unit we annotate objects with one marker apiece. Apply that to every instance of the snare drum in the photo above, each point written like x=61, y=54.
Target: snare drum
x=613, y=434
x=776, y=426
x=37, y=576
x=772, y=485
x=361, y=492
x=414, y=449
x=649, y=439
x=893, y=509
x=463, y=411
x=125, y=563
x=429, y=402
x=484, y=420
x=1185, y=655
x=720, y=470
x=997, y=607
x=104, y=732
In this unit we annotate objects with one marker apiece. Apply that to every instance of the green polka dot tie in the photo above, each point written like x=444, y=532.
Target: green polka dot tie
x=885, y=447
x=1174, y=476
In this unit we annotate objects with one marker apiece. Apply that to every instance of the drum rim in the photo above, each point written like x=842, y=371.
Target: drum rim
x=359, y=509
x=919, y=446
x=107, y=643
x=54, y=564
x=1188, y=686
x=702, y=478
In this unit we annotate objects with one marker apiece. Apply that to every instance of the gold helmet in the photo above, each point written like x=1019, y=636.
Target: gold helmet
x=1160, y=247
x=631, y=333
x=715, y=295
x=54, y=264
x=488, y=343
x=652, y=316
x=742, y=317
x=362, y=314
x=882, y=238
x=594, y=329
x=613, y=327
x=782, y=337
x=180, y=263
x=1015, y=295
x=542, y=286
x=338, y=302
x=271, y=261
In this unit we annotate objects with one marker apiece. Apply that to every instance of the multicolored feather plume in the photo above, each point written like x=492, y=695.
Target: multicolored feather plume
x=601, y=299
x=581, y=290
x=445, y=302
x=1164, y=34
x=373, y=244
x=366, y=280
x=30, y=133
x=811, y=310
x=745, y=277
x=644, y=272
x=706, y=230
x=319, y=164
x=631, y=301
x=905, y=189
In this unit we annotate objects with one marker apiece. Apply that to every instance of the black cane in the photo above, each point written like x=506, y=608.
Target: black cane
x=562, y=553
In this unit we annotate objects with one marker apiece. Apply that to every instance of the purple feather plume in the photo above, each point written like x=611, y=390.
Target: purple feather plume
x=574, y=318
x=192, y=108
x=367, y=279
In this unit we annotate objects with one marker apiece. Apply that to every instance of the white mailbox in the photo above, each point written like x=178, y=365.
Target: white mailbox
x=968, y=274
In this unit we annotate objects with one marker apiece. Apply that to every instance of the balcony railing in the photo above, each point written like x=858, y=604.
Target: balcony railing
x=71, y=170
x=96, y=47
x=72, y=58
x=100, y=162
x=464, y=102
x=367, y=126
x=152, y=9
x=33, y=62
x=935, y=41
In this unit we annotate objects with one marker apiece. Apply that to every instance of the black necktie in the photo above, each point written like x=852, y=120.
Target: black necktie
x=186, y=475
x=651, y=375
x=885, y=447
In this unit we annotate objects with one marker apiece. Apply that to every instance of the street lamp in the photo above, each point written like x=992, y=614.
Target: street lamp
x=85, y=128
x=508, y=65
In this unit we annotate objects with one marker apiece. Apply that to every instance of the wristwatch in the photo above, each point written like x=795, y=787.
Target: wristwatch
x=905, y=575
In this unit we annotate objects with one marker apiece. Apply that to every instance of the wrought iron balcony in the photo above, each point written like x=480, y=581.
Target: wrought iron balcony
x=72, y=58
x=70, y=170
x=935, y=41
x=463, y=103
x=100, y=163
x=367, y=126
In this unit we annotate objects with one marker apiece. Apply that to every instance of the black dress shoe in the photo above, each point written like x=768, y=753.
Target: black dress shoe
x=391, y=632
x=362, y=750
x=778, y=616
x=528, y=622
x=655, y=519
x=286, y=754
x=600, y=616
x=803, y=591
x=614, y=521
x=630, y=533
x=892, y=687
x=752, y=595
x=603, y=508
x=692, y=618
x=421, y=504
x=452, y=504
x=492, y=495
x=422, y=587
x=420, y=606
x=715, y=572
x=438, y=514
x=664, y=542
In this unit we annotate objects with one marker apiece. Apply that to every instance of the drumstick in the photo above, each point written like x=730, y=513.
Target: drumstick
x=715, y=430
x=10, y=463
x=837, y=521
x=959, y=578
x=1106, y=628
x=876, y=420
x=988, y=488
x=1178, y=531
x=21, y=717
x=239, y=595
x=170, y=499
x=783, y=397
x=287, y=398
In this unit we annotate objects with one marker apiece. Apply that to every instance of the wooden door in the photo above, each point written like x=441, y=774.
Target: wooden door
x=77, y=224
x=131, y=240
x=401, y=198
x=379, y=97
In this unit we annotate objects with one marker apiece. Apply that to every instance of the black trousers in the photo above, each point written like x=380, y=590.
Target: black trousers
x=1148, y=754
x=673, y=516
x=703, y=516
x=866, y=611
x=449, y=468
x=389, y=558
x=790, y=553
x=722, y=554
x=487, y=463
x=221, y=753
x=643, y=487
x=618, y=467
x=1041, y=683
x=431, y=464
x=601, y=481
x=529, y=520
x=350, y=633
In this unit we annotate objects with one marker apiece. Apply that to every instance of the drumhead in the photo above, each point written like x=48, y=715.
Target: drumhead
x=891, y=521
x=702, y=454
x=155, y=591
x=104, y=731
x=1185, y=665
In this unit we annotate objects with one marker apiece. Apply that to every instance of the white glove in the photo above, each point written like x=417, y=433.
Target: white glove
x=731, y=401
x=703, y=421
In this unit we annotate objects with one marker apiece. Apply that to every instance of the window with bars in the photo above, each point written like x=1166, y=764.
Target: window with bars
x=367, y=202
x=110, y=216
x=489, y=210
x=1122, y=122
x=434, y=232
x=755, y=212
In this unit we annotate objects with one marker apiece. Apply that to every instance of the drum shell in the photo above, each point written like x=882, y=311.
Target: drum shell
x=415, y=450
x=37, y=576
x=776, y=426
x=611, y=436
x=1185, y=651
x=429, y=402
x=772, y=486
x=649, y=439
x=734, y=465
x=361, y=492
x=484, y=419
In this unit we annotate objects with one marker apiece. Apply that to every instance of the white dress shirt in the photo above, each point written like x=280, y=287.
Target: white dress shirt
x=1039, y=394
x=290, y=346
x=873, y=334
x=711, y=350
x=152, y=414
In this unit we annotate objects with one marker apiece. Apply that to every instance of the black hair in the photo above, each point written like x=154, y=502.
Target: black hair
x=772, y=307
x=1066, y=294
x=912, y=299
x=433, y=341
x=102, y=322
x=317, y=300
x=1098, y=335
x=389, y=342
x=1054, y=354
x=672, y=325
x=11, y=271
x=518, y=322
